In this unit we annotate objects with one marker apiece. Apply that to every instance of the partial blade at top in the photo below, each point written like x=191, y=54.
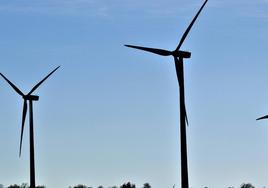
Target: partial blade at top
x=152, y=50
x=24, y=112
x=12, y=85
x=190, y=26
x=264, y=117
x=37, y=85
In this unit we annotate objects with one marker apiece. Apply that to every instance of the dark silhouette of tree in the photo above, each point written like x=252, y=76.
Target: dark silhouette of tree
x=146, y=185
x=23, y=185
x=80, y=186
x=128, y=185
x=83, y=186
x=14, y=186
x=247, y=185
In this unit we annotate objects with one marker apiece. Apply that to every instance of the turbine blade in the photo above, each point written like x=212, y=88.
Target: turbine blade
x=186, y=117
x=152, y=50
x=37, y=85
x=12, y=85
x=24, y=112
x=181, y=84
x=177, y=62
x=264, y=117
x=190, y=26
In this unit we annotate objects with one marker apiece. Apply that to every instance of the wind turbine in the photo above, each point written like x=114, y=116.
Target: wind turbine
x=30, y=98
x=178, y=56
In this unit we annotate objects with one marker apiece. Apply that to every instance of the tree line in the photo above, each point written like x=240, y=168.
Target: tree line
x=125, y=185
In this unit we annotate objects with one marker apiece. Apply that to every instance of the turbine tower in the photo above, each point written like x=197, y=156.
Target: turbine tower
x=29, y=98
x=178, y=56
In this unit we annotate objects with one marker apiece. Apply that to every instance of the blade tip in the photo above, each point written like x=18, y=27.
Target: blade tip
x=264, y=117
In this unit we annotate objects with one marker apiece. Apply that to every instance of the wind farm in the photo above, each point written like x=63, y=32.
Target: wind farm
x=183, y=114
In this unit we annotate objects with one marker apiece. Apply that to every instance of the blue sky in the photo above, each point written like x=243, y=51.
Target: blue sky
x=110, y=114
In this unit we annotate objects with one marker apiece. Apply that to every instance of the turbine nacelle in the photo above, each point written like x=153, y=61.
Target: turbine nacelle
x=181, y=54
x=31, y=97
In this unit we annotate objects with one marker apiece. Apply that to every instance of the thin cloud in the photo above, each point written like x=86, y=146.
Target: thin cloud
x=49, y=6
x=103, y=8
x=243, y=8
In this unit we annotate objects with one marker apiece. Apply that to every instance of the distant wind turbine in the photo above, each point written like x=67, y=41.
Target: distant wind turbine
x=178, y=56
x=29, y=97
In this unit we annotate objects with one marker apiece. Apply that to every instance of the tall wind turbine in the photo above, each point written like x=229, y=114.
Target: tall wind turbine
x=178, y=56
x=29, y=98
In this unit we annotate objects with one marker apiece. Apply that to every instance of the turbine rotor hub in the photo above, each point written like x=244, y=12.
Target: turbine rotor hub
x=31, y=97
x=182, y=54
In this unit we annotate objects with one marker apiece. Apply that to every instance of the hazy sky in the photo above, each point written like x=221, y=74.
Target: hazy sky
x=110, y=114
